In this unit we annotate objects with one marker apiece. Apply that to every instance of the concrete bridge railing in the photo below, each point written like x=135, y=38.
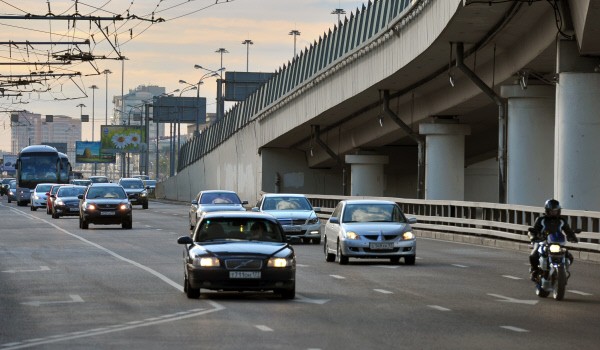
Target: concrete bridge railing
x=500, y=225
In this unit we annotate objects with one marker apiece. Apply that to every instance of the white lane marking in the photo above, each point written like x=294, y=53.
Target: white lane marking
x=42, y=268
x=112, y=329
x=515, y=329
x=388, y=266
x=74, y=299
x=512, y=277
x=302, y=299
x=383, y=291
x=513, y=300
x=159, y=229
x=147, y=225
x=578, y=292
x=302, y=265
x=338, y=277
x=439, y=308
x=458, y=265
x=264, y=328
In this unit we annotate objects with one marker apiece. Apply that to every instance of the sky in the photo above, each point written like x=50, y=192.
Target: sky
x=157, y=52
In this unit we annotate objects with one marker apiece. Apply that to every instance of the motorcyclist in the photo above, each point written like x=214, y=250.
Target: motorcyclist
x=551, y=221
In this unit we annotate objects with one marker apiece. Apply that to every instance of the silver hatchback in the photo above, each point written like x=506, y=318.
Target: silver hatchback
x=371, y=229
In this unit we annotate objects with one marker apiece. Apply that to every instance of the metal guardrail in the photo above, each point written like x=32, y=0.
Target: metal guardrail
x=488, y=220
x=345, y=42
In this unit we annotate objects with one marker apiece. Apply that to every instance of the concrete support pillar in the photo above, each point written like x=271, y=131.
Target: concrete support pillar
x=577, y=158
x=530, y=144
x=444, y=160
x=366, y=174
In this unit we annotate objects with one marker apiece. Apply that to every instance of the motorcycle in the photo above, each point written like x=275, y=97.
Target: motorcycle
x=554, y=263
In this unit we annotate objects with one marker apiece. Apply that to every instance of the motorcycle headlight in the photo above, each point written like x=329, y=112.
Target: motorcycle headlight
x=279, y=262
x=352, y=235
x=207, y=262
x=555, y=248
x=408, y=235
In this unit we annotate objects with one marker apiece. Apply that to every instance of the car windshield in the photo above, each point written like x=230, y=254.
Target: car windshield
x=54, y=189
x=220, y=198
x=249, y=229
x=373, y=213
x=286, y=203
x=150, y=183
x=43, y=188
x=113, y=192
x=132, y=184
x=70, y=191
x=99, y=179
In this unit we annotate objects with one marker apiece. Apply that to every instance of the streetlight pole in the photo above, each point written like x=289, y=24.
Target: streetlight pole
x=94, y=88
x=338, y=12
x=106, y=72
x=295, y=33
x=247, y=42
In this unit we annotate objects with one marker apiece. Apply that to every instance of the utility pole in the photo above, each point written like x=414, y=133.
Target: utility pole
x=247, y=42
x=295, y=33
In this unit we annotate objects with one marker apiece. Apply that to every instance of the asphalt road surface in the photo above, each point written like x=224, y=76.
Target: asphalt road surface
x=108, y=288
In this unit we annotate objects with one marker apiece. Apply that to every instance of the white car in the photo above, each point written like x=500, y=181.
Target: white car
x=295, y=214
x=369, y=229
x=39, y=196
x=214, y=200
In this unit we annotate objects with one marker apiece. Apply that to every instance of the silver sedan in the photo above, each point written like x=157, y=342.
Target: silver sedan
x=214, y=200
x=371, y=229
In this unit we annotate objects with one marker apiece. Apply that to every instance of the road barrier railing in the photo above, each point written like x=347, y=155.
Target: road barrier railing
x=501, y=225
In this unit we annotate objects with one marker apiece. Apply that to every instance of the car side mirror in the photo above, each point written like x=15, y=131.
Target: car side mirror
x=194, y=202
x=293, y=239
x=334, y=220
x=412, y=220
x=185, y=240
x=80, y=196
x=53, y=196
x=244, y=202
x=317, y=209
x=254, y=209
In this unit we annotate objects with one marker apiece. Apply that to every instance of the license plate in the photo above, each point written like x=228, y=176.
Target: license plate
x=74, y=209
x=244, y=274
x=381, y=245
x=294, y=229
x=107, y=213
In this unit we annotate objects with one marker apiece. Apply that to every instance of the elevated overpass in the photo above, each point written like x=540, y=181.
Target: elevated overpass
x=486, y=101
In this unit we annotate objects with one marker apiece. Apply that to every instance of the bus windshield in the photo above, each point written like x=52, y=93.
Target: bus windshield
x=39, y=167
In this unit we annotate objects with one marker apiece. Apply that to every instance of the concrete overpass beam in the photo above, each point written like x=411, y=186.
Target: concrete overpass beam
x=444, y=160
x=366, y=174
x=577, y=130
x=530, y=144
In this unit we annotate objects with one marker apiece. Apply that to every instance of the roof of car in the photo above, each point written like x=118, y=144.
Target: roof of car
x=238, y=214
x=368, y=201
x=105, y=184
x=283, y=195
x=217, y=191
x=130, y=178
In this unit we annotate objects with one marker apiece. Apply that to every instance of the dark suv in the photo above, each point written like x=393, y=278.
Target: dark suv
x=105, y=204
x=136, y=191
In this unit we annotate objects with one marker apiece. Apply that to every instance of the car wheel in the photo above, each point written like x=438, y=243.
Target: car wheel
x=55, y=215
x=410, y=260
x=288, y=293
x=32, y=208
x=192, y=293
x=342, y=260
x=329, y=257
x=145, y=206
x=127, y=224
x=316, y=240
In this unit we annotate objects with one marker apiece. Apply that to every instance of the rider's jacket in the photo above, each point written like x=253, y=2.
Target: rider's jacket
x=549, y=224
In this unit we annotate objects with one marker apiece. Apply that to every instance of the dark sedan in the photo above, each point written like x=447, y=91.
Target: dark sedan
x=66, y=201
x=136, y=191
x=237, y=251
x=105, y=204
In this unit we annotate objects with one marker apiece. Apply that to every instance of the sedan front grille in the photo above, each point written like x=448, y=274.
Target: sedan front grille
x=285, y=222
x=243, y=264
x=385, y=237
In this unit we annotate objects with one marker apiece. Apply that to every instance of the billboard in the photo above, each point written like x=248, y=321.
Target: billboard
x=9, y=164
x=170, y=109
x=122, y=139
x=240, y=85
x=90, y=152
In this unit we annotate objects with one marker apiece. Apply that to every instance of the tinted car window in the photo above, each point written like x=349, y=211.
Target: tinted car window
x=106, y=192
x=286, y=203
x=238, y=229
x=220, y=198
x=70, y=191
x=43, y=188
x=373, y=213
x=132, y=184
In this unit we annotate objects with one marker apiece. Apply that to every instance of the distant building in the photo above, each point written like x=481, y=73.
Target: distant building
x=33, y=129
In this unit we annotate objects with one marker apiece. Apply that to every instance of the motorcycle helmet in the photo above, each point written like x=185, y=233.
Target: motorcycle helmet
x=552, y=208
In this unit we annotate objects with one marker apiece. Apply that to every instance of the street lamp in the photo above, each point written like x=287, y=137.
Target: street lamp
x=295, y=33
x=210, y=73
x=247, y=42
x=338, y=12
x=221, y=51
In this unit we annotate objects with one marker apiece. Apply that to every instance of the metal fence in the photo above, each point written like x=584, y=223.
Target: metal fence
x=487, y=220
x=343, y=43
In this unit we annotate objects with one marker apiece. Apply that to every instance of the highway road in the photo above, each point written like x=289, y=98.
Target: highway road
x=62, y=287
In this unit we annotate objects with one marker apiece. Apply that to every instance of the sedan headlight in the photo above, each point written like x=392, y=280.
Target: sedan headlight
x=36, y=197
x=124, y=206
x=352, y=235
x=408, y=235
x=89, y=206
x=313, y=220
x=280, y=262
x=207, y=261
x=59, y=201
x=143, y=193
